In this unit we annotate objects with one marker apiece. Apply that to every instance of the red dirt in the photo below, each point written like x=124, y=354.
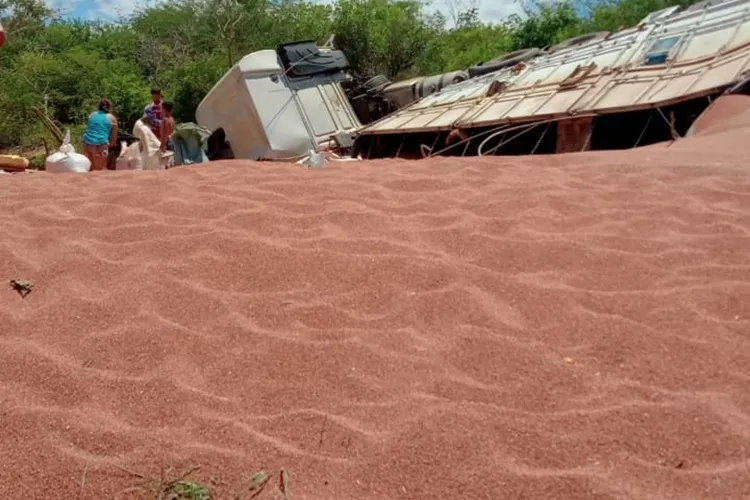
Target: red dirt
x=568, y=327
x=726, y=113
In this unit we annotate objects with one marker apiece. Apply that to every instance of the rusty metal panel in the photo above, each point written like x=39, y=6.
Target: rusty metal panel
x=574, y=135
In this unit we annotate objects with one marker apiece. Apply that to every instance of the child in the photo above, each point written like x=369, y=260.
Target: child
x=167, y=127
x=154, y=111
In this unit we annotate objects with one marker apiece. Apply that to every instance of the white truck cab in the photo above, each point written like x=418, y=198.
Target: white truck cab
x=280, y=104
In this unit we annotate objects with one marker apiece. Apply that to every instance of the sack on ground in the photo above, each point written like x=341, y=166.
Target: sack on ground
x=66, y=159
x=150, y=146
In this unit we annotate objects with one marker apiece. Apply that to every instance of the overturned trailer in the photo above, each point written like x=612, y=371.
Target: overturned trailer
x=636, y=86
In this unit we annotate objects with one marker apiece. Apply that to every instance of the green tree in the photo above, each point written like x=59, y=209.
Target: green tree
x=383, y=36
x=190, y=83
x=128, y=94
x=611, y=15
x=545, y=26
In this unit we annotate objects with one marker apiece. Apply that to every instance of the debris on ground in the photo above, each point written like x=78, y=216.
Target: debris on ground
x=23, y=287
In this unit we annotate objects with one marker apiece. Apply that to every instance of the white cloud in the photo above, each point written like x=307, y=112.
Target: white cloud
x=489, y=10
x=499, y=11
x=110, y=10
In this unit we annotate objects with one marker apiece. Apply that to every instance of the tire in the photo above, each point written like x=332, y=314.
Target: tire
x=435, y=83
x=376, y=83
x=508, y=60
x=578, y=40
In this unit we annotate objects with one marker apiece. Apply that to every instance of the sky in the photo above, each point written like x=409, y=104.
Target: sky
x=489, y=10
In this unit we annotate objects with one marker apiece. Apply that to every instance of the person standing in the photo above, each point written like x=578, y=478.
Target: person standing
x=155, y=111
x=167, y=127
x=101, y=132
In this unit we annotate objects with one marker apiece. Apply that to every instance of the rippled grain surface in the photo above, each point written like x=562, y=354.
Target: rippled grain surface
x=572, y=327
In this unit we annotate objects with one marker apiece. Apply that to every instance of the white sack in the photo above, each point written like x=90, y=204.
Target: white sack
x=66, y=159
x=150, y=146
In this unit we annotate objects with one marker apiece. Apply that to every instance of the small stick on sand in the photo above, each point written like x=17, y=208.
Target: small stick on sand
x=181, y=477
x=322, y=430
x=254, y=485
x=135, y=474
x=284, y=483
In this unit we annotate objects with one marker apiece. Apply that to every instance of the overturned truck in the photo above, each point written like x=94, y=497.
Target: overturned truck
x=636, y=86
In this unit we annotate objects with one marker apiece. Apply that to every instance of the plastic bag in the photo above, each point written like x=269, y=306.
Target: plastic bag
x=66, y=159
x=314, y=159
x=130, y=158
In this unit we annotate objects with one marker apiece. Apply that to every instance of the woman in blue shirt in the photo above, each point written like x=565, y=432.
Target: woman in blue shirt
x=101, y=132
